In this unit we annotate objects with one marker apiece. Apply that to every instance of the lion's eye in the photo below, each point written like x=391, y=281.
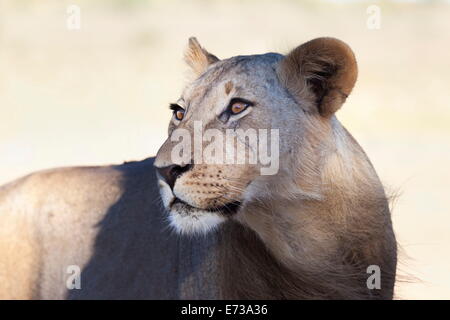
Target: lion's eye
x=238, y=105
x=178, y=112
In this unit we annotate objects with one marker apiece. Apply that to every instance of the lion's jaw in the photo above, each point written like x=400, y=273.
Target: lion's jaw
x=188, y=219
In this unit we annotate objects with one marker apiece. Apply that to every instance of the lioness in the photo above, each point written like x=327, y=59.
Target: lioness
x=312, y=230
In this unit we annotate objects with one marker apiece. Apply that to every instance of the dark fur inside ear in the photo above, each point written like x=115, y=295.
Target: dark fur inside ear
x=197, y=57
x=322, y=71
x=318, y=83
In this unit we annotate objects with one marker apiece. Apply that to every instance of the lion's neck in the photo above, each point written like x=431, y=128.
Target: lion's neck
x=313, y=238
x=305, y=224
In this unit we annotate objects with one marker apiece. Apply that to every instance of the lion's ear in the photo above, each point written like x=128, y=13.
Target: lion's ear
x=322, y=70
x=197, y=57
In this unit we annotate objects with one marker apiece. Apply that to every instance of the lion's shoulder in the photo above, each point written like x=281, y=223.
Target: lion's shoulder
x=55, y=218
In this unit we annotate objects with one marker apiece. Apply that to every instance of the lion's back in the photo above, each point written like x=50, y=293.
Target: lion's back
x=41, y=216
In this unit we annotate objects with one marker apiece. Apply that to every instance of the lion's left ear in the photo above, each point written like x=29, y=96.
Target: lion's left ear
x=197, y=57
x=322, y=71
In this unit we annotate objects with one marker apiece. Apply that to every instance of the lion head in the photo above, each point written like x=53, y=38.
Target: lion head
x=250, y=130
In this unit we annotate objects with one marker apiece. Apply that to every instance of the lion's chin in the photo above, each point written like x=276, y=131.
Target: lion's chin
x=189, y=220
x=186, y=219
x=194, y=221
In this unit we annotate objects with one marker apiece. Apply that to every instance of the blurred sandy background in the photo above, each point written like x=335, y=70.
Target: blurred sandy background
x=99, y=95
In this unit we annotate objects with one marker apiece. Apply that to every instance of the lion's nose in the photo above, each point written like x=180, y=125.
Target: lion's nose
x=172, y=172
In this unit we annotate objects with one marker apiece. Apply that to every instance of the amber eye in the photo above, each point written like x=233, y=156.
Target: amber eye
x=178, y=111
x=179, y=114
x=238, y=107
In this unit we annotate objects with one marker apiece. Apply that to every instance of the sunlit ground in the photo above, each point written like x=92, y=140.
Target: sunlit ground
x=99, y=95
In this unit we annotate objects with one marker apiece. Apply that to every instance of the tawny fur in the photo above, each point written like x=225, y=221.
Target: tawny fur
x=309, y=232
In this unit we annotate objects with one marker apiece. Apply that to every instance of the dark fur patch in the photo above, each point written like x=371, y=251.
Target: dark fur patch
x=228, y=87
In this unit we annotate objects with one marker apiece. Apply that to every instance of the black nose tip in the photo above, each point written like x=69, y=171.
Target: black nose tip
x=172, y=172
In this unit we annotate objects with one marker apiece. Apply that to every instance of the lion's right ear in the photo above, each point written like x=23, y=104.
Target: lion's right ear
x=197, y=57
x=322, y=71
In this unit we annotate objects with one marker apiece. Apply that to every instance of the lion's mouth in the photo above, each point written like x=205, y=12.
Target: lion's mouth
x=228, y=209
